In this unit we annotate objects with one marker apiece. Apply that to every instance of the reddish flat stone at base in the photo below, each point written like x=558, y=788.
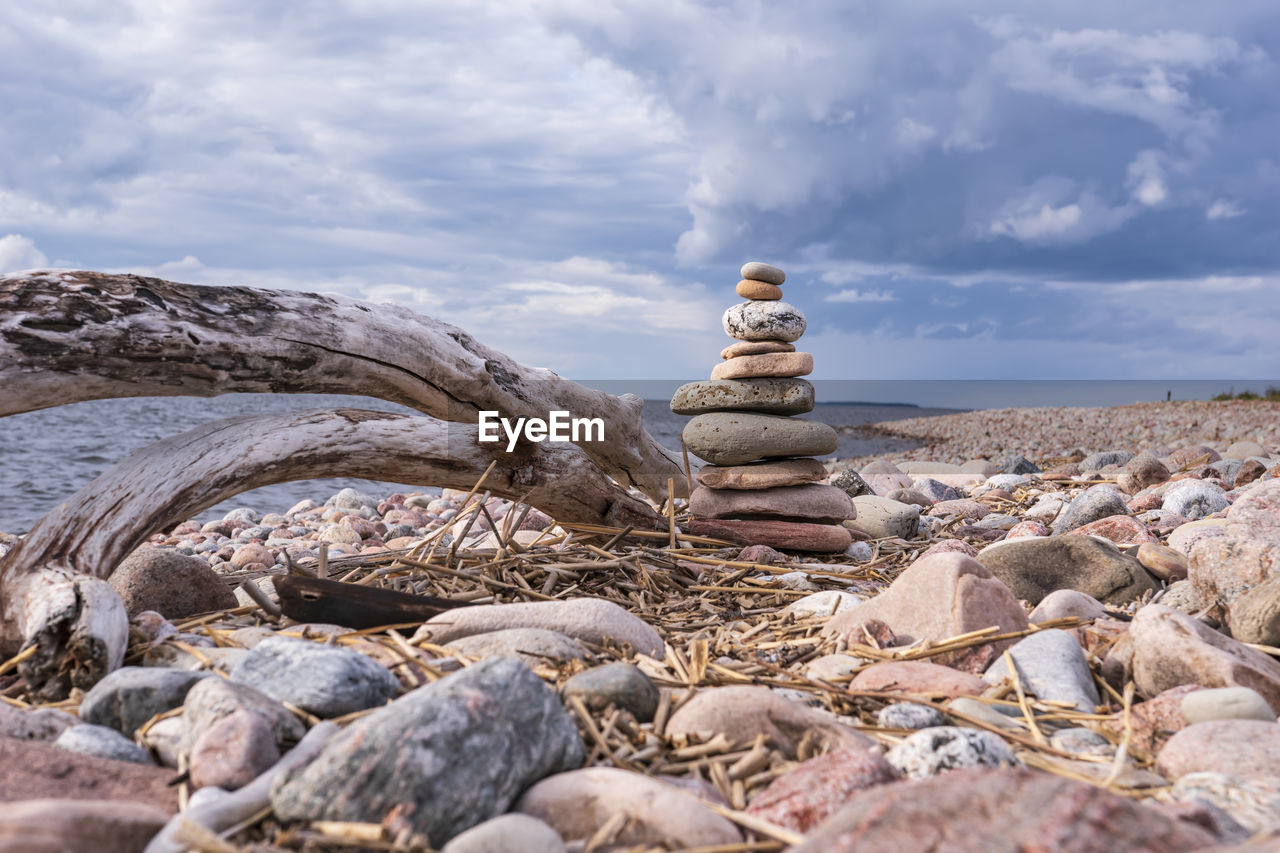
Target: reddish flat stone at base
x=37, y=770
x=786, y=535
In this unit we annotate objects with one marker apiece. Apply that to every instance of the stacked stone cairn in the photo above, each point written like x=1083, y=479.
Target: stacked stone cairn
x=762, y=486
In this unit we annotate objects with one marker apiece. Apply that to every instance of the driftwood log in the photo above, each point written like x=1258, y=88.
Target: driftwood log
x=72, y=336
x=51, y=588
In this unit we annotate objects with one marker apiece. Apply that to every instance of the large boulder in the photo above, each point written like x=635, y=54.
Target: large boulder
x=1036, y=566
x=169, y=583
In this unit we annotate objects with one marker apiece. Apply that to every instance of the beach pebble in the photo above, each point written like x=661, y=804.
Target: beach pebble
x=1240, y=748
x=327, y=681
x=620, y=683
x=738, y=348
x=509, y=723
x=763, y=321
x=1026, y=528
x=212, y=699
x=131, y=695
x=1063, y=603
x=102, y=742
x=762, y=475
x=851, y=483
x=233, y=751
x=1120, y=529
x=825, y=603
x=881, y=518
x=42, y=724
x=830, y=667
x=1194, y=499
x=1103, y=458
x=508, y=833
x=759, y=290
x=787, y=535
x=1226, y=703
x=243, y=514
x=778, y=396
x=918, y=677
x=859, y=552
x=648, y=811
x=1053, y=667
x=984, y=810
x=962, y=507
x=774, y=364
x=169, y=583
x=982, y=712
x=931, y=751
x=1016, y=464
x=592, y=620
x=1162, y=561
x=949, y=545
x=1035, y=567
x=732, y=438
x=910, y=715
x=1090, y=505
x=758, y=271
x=534, y=646
x=1254, y=804
x=352, y=499
x=1081, y=741
x=741, y=712
x=936, y=598
x=1193, y=454
x=1007, y=481
x=71, y=825
x=805, y=796
x=1244, y=449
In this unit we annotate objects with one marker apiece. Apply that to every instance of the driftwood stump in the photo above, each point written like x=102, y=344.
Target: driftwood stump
x=72, y=336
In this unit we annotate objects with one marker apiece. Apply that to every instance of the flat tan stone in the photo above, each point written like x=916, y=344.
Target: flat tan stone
x=732, y=438
x=755, y=348
x=774, y=395
x=743, y=711
x=814, y=502
x=762, y=475
x=761, y=290
x=767, y=364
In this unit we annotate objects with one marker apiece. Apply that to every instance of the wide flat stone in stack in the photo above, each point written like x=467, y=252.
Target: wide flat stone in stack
x=762, y=487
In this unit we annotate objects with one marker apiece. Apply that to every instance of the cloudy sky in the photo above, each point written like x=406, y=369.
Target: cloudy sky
x=957, y=189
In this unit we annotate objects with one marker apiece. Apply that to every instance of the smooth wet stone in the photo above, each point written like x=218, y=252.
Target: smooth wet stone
x=760, y=290
x=578, y=803
x=1034, y=567
x=775, y=364
x=233, y=751
x=1240, y=748
x=1171, y=648
x=1063, y=603
x=786, y=535
x=931, y=751
x=780, y=396
x=1194, y=499
x=763, y=321
x=814, y=502
x=742, y=712
x=758, y=271
x=170, y=583
x=102, y=742
x=999, y=811
x=755, y=348
x=939, y=597
x=881, y=518
x=731, y=438
x=40, y=724
x=621, y=684
x=1092, y=504
x=78, y=826
x=131, y=695
x=1052, y=666
x=851, y=483
x=328, y=681
x=591, y=620
x=512, y=727
x=762, y=475
x=212, y=699
x=508, y=833
x=1226, y=703
x=910, y=715
x=805, y=796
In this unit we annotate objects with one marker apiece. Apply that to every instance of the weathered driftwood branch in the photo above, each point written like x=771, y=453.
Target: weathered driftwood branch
x=71, y=336
x=50, y=595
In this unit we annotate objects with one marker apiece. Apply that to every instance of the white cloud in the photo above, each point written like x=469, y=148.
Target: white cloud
x=20, y=253
x=855, y=295
x=1146, y=178
x=1224, y=209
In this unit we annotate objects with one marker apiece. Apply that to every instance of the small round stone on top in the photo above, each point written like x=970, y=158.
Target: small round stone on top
x=757, y=271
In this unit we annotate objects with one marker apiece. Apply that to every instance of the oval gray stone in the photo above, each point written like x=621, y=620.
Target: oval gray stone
x=1052, y=666
x=764, y=321
x=1036, y=566
x=448, y=755
x=757, y=271
x=102, y=742
x=1226, y=703
x=131, y=695
x=1093, y=503
x=622, y=684
x=732, y=438
x=775, y=396
x=327, y=681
